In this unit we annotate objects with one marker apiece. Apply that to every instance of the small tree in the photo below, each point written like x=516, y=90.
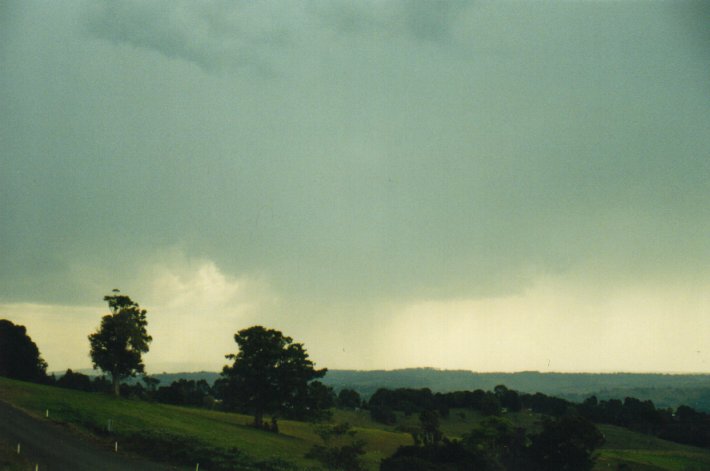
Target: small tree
x=270, y=374
x=498, y=443
x=340, y=451
x=19, y=356
x=118, y=344
x=430, y=434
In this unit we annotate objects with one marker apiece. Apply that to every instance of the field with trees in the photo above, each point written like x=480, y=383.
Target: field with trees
x=187, y=434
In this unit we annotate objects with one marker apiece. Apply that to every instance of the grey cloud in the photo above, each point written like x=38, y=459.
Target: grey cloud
x=215, y=35
x=218, y=35
x=430, y=21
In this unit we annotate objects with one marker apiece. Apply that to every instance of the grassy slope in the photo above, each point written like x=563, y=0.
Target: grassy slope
x=644, y=452
x=91, y=411
x=640, y=452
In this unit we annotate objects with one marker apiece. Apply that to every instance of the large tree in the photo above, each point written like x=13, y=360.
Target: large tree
x=118, y=344
x=270, y=374
x=19, y=356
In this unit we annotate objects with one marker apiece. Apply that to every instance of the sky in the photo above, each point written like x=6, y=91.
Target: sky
x=490, y=186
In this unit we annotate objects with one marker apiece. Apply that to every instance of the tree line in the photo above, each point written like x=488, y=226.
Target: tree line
x=683, y=425
x=269, y=374
x=564, y=443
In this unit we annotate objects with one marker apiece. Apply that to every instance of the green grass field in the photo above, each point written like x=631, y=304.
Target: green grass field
x=90, y=412
x=643, y=452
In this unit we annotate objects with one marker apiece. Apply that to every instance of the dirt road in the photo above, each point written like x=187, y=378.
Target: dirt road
x=54, y=448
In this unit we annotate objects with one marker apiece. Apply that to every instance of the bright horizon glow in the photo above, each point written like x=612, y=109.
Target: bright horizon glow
x=482, y=335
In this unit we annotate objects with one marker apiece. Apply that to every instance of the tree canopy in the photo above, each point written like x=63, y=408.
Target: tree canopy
x=19, y=355
x=270, y=374
x=118, y=344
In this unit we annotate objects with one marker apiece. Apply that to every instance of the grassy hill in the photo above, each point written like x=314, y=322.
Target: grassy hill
x=643, y=452
x=137, y=423
x=164, y=427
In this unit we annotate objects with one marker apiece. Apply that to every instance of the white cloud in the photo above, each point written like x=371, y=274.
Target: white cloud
x=193, y=307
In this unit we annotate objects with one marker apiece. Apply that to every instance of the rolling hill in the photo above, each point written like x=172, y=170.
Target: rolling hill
x=182, y=434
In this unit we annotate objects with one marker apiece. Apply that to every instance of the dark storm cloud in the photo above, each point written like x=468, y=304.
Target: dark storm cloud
x=377, y=164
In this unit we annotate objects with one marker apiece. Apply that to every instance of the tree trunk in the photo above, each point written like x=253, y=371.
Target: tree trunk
x=259, y=418
x=116, y=385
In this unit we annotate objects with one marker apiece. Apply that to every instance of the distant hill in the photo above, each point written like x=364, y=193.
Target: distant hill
x=367, y=382
x=665, y=390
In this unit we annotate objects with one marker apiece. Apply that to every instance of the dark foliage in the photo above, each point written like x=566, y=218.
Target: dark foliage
x=385, y=402
x=383, y=414
x=451, y=455
x=318, y=402
x=349, y=399
x=509, y=399
x=565, y=444
x=547, y=405
x=118, y=344
x=185, y=393
x=19, y=355
x=498, y=444
x=340, y=451
x=686, y=426
x=490, y=405
x=430, y=434
x=78, y=381
x=271, y=374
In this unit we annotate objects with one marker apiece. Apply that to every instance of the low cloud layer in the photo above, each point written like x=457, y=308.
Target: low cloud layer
x=217, y=35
